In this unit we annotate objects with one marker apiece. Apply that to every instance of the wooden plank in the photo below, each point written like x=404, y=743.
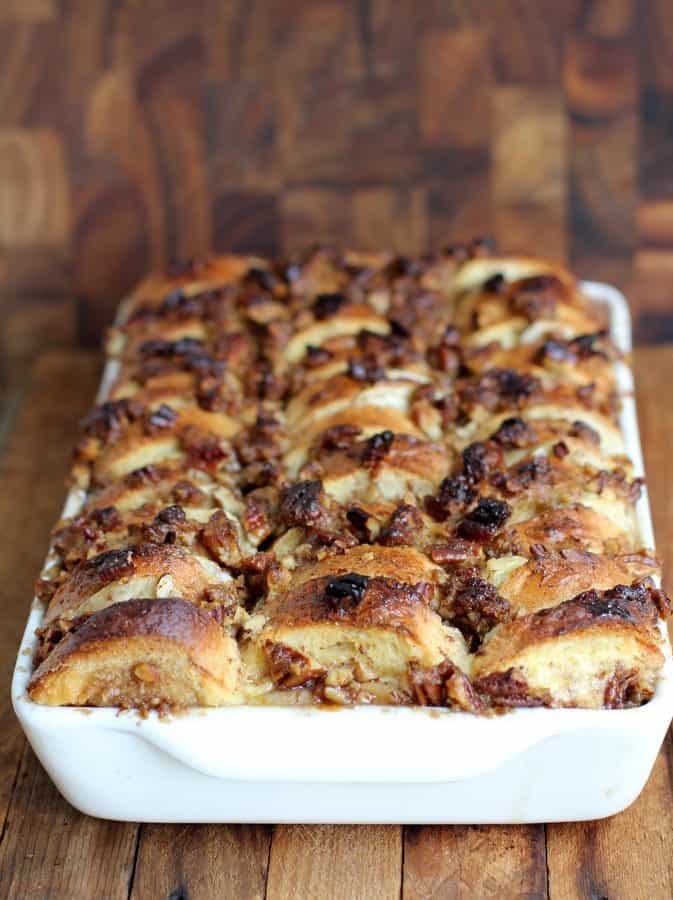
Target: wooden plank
x=454, y=78
x=654, y=376
x=460, y=204
x=35, y=191
x=455, y=102
x=601, y=85
x=31, y=493
x=625, y=857
x=51, y=851
x=202, y=861
x=314, y=215
x=653, y=263
x=318, y=62
x=529, y=171
x=528, y=38
x=630, y=854
x=469, y=861
x=48, y=850
x=334, y=862
x=385, y=106
x=390, y=218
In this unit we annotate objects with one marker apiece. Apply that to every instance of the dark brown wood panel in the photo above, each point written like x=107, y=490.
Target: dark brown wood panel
x=202, y=861
x=465, y=862
x=52, y=851
x=131, y=133
x=335, y=861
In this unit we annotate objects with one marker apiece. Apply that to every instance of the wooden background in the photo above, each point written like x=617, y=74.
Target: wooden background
x=135, y=132
x=138, y=131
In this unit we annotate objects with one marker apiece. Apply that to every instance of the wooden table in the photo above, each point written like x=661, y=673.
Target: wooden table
x=48, y=850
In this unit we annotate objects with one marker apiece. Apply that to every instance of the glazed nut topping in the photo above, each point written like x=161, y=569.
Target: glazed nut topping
x=354, y=478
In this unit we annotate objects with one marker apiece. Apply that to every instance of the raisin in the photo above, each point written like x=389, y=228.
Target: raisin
x=377, y=447
x=366, y=369
x=488, y=516
x=301, y=503
x=162, y=417
x=514, y=433
x=349, y=589
x=495, y=284
x=326, y=305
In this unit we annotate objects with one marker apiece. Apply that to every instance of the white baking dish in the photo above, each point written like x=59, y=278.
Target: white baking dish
x=357, y=765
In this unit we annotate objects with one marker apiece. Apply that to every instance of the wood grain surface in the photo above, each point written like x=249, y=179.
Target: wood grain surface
x=48, y=850
x=132, y=133
x=135, y=132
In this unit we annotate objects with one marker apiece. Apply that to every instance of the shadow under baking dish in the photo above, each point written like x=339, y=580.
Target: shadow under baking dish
x=370, y=764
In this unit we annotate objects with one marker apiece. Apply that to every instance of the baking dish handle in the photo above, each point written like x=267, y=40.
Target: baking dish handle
x=410, y=745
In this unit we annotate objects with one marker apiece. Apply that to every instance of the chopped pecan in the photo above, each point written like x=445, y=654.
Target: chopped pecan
x=501, y=389
x=107, y=518
x=145, y=475
x=188, y=494
x=443, y=685
x=259, y=518
x=479, y=459
x=339, y=437
x=514, y=433
x=106, y=421
x=474, y=606
x=289, y=668
x=358, y=519
x=111, y=565
x=263, y=441
x=509, y=689
x=454, y=551
x=220, y=538
x=204, y=450
x=165, y=526
x=519, y=478
x=622, y=690
x=405, y=527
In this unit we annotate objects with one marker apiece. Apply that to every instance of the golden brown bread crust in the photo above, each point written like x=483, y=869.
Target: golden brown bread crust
x=144, y=653
x=350, y=632
x=577, y=653
x=550, y=579
x=373, y=561
x=115, y=576
x=368, y=479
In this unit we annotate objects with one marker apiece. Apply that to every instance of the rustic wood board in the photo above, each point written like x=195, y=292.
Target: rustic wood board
x=268, y=125
x=48, y=850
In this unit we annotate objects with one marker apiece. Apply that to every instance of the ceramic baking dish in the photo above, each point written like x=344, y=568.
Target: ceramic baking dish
x=356, y=765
